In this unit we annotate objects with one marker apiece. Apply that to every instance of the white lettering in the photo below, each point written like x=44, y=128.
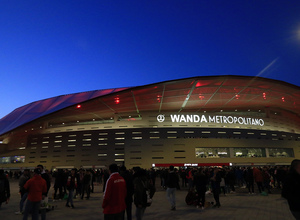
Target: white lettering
x=261, y=122
x=217, y=119
x=197, y=118
x=240, y=120
x=175, y=118
x=182, y=119
x=212, y=119
x=118, y=180
x=189, y=118
x=203, y=119
x=235, y=120
x=231, y=118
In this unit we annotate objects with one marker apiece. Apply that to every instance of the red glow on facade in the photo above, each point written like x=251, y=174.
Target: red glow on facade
x=198, y=84
x=237, y=96
x=158, y=98
x=264, y=95
x=117, y=100
x=283, y=99
x=78, y=106
x=201, y=96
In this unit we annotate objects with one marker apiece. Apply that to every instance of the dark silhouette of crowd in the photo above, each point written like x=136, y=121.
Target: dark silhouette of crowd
x=198, y=181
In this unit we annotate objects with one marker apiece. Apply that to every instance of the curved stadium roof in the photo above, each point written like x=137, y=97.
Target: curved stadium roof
x=190, y=94
x=35, y=110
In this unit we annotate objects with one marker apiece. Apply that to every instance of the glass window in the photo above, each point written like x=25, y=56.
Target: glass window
x=207, y=152
x=13, y=159
x=18, y=159
x=5, y=160
x=249, y=152
x=281, y=152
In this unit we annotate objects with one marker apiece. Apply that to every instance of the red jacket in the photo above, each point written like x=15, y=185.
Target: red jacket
x=257, y=174
x=35, y=186
x=114, y=195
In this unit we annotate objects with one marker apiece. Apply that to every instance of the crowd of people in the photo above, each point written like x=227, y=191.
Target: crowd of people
x=122, y=187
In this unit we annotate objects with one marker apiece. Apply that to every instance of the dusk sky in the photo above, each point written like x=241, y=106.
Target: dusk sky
x=56, y=47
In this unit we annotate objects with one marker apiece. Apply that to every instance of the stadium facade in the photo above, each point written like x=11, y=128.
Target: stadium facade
x=213, y=120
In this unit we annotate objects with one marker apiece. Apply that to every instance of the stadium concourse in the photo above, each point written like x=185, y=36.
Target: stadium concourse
x=239, y=206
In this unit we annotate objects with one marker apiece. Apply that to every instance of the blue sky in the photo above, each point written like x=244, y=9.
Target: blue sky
x=55, y=47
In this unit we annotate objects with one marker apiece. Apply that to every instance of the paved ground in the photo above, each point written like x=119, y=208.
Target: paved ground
x=239, y=206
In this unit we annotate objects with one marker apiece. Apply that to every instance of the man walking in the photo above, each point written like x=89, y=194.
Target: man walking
x=172, y=183
x=114, y=195
x=36, y=188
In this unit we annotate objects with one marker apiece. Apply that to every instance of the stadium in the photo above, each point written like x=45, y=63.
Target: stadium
x=198, y=121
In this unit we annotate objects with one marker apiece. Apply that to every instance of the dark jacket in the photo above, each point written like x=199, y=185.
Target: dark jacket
x=141, y=184
x=4, y=187
x=291, y=191
x=87, y=179
x=172, y=180
x=46, y=177
x=72, y=182
x=200, y=181
x=129, y=185
x=215, y=181
x=249, y=177
x=23, y=179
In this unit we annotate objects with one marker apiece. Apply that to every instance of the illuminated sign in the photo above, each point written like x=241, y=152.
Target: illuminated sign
x=190, y=164
x=216, y=119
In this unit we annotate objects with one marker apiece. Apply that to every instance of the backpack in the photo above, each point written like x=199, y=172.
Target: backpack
x=191, y=198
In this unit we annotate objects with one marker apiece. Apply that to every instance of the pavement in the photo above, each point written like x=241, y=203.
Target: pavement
x=239, y=206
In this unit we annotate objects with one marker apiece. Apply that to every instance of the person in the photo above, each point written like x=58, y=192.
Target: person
x=58, y=185
x=4, y=188
x=200, y=182
x=189, y=177
x=141, y=184
x=291, y=188
x=215, y=185
x=79, y=188
x=86, y=184
x=153, y=176
x=71, y=186
x=223, y=183
x=130, y=189
x=172, y=183
x=231, y=180
x=93, y=179
x=114, y=195
x=266, y=179
x=105, y=178
x=258, y=177
x=37, y=188
x=250, y=180
x=183, y=178
x=46, y=177
x=23, y=179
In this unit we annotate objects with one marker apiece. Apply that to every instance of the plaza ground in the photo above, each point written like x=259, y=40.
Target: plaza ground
x=239, y=206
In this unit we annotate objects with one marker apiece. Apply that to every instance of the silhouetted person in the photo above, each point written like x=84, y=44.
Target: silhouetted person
x=291, y=188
